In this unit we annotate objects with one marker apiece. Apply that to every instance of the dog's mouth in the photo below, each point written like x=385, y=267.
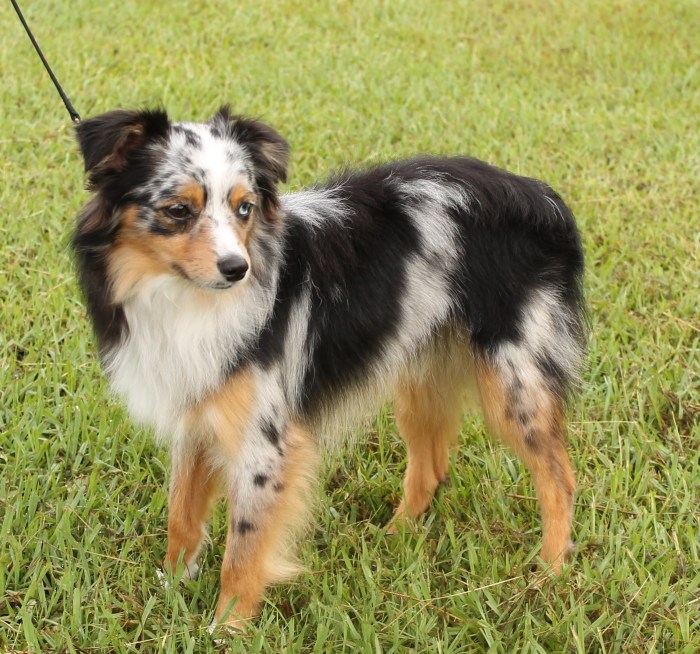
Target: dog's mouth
x=219, y=285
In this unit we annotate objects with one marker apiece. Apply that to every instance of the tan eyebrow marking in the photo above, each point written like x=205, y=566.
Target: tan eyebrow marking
x=193, y=194
x=240, y=194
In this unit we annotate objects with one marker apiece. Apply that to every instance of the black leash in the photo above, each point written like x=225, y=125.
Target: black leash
x=74, y=116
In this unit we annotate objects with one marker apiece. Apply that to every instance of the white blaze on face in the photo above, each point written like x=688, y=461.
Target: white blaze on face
x=221, y=163
x=225, y=240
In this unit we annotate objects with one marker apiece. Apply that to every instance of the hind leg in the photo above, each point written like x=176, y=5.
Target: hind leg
x=521, y=409
x=428, y=416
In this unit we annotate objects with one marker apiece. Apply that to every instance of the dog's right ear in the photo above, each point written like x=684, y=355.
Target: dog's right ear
x=107, y=141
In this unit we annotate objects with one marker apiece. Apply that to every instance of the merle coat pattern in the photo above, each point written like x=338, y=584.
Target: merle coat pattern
x=250, y=328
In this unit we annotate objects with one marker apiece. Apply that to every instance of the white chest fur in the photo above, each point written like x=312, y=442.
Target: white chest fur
x=179, y=342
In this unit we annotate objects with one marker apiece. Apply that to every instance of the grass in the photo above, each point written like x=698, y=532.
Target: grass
x=600, y=98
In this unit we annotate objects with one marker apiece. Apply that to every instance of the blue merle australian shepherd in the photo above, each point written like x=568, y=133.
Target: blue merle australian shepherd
x=249, y=328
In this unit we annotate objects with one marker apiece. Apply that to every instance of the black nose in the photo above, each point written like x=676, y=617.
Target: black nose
x=232, y=267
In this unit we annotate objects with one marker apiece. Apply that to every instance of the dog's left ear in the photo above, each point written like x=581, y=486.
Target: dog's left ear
x=268, y=150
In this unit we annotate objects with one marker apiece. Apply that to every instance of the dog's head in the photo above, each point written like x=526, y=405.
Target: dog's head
x=180, y=199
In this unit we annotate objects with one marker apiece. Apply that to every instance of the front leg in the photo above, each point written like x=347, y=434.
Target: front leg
x=193, y=488
x=270, y=490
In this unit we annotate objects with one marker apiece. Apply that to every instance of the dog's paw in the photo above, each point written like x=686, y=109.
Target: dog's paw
x=166, y=579
x=191, y=571
x=228, y=628
x=545, y=570
x=163, y=579
x=401, y=521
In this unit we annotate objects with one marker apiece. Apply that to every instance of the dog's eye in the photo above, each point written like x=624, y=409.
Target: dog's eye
x=245, y=209
x=178, y=212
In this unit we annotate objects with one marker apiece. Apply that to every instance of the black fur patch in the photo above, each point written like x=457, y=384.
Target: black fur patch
x=89, y=244
x=524, y=418
x=356, y=279
x=271, y=432
x=160, y=230
x=532, y=439
x=513, y=241
x=244, y=527
x=192, y=138
x=273, y=435
x=260, y=480
x=552, y=372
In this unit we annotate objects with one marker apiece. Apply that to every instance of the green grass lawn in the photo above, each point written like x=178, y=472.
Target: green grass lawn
x=600, y=98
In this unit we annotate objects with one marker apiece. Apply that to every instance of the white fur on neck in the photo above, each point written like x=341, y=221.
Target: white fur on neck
x=179, y=340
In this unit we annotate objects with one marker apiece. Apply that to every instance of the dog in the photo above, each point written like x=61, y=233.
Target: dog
x=249, y=328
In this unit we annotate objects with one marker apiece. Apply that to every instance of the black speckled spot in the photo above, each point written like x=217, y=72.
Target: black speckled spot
x=260, y=480
x=524, y=418
x=272, y=433
x=531, y=439
x=244, y=527
x=193, y=140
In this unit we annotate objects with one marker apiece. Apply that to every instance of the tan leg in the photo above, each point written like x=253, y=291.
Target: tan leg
x=530, y=419
x=428, y=416
x=267, y=511
x=193, y=489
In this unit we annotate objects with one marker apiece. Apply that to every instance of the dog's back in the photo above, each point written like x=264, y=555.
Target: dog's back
x=385, y=262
